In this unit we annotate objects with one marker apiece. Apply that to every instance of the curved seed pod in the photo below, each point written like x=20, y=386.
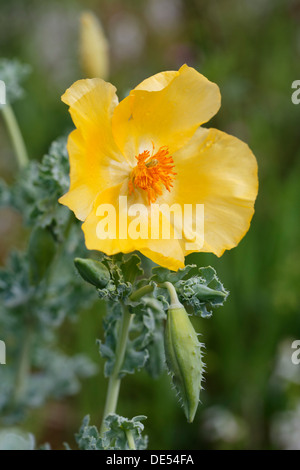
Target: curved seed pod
x=184, y=358
x=93, y=272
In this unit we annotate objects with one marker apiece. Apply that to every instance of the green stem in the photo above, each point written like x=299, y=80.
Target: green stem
x=130, y=439
x=141, y=292
x=15, y=134
x=114, y=380
x=173, y=295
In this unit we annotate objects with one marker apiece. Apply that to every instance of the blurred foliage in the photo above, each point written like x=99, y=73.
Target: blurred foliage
x=37, y=294
x=12, y=73
x=251, y=49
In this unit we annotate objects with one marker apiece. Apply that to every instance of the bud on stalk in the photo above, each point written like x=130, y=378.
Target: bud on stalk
x=93, y=272
x=93, y=47
x=183, y=355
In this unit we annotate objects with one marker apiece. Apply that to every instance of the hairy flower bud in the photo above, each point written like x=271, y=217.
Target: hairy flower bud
x=184, y=358
x=93, y=272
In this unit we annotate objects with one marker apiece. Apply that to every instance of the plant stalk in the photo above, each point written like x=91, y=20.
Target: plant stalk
x=114, y=380
x=173, y=295
x=139, y=293
x=130, y=439
x=15, y=134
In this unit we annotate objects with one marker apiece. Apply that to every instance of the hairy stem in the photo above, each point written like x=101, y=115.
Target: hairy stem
x=173, y=295
x=130, y=439
x=141, y=292
x=114, y=380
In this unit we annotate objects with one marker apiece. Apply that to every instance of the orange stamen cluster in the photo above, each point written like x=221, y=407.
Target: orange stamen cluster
x=152, y=172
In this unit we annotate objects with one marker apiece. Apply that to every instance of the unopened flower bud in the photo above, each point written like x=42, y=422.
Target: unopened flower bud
x=93, y=272
x=205, y=293
x=93, y=47
x=183, y=357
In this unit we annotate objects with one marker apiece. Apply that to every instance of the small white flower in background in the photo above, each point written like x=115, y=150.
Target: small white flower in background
x=53, y=41
x=257, y=7
x=126, y=37
x=164, y=15
x=220, y=424
x=285, y=429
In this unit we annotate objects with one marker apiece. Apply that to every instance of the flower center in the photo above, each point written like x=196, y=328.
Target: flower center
x=152, y=172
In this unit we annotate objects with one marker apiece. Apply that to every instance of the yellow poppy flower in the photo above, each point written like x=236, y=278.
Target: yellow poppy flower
x=151, y=149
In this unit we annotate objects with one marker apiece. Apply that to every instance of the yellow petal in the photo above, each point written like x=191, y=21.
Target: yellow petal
x=165, y=253
x=154, y=83
x=114, y=244
x=92, y=103
x=219, y=171
x=158, y=81
x=88, y=97
x=168, y=253
x=81, y=194
x=96, y=163
x=168, y=116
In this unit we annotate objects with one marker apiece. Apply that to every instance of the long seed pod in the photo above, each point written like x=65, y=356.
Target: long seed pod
x=183, y=355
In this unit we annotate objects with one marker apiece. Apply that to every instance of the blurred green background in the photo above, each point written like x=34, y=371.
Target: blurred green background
x=251, y=49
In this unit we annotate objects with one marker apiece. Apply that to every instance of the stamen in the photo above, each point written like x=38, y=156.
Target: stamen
x=152, y=172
